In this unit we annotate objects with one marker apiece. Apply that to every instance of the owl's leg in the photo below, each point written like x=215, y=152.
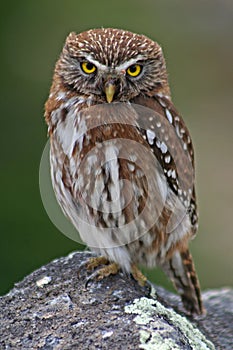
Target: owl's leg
x=180, y=268
x=138, y=275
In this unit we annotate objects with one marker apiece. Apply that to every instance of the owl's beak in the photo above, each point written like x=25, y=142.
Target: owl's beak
x=110, y=89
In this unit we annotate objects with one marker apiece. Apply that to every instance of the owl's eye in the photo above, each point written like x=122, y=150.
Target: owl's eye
x=134, y=70
x=88, y=67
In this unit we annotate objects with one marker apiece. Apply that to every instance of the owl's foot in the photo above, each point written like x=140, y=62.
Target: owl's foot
x=103, y=272
x=138, y=275
x=94, y=262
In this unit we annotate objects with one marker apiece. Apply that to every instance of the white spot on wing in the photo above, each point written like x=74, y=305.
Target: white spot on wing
x=150, y=136
x=131, y=167
x=173, y=174
x=169, y=116
x=163, y=147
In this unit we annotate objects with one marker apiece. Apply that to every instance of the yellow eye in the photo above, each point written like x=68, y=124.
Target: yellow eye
x=88, y=67
x=134, y=70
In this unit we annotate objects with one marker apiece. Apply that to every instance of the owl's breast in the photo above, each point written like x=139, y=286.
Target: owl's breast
x=112, y=186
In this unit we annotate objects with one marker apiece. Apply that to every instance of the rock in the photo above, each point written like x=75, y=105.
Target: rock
x=52, y=309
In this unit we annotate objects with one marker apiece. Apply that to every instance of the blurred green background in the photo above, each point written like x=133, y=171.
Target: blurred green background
x=197, y=41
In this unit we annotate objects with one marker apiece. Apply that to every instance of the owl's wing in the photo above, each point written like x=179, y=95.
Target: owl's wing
x=169, y=138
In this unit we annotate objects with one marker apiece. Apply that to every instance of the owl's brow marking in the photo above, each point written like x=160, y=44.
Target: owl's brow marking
x=118, y=68
x=96, y=63
x=128, y=63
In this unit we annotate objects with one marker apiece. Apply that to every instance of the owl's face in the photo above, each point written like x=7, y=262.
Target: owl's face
x=111, y=65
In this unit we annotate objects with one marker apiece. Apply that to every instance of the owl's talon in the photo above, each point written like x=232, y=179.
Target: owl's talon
x=138, y=275
x=93, y=262
x=103, y=272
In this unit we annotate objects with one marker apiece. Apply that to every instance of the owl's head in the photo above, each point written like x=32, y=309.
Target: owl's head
x=112, y=65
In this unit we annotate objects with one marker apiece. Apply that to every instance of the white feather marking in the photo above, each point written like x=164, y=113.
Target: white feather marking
x=163, y=104
x=131, y=167
x=163, y=147
x=132, y=157
x=167, y=159
x=69, y=134
x=96, y=63
x=178, y=132
x=162, y=185
x=169, y=116
x=150, y=136
x=61, y=96
x=128, y=63
x=139, y=173
x=112, y=164
x=173, y=174
x=97, y=197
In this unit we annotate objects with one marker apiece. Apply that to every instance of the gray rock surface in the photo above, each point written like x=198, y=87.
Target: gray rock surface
x=52, y=309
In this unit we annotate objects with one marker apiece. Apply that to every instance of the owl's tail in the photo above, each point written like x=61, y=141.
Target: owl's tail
x=180, y=269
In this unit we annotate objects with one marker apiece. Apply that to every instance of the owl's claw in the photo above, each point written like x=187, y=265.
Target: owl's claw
x=92, y=263
x=138, y=275
x=103, y=272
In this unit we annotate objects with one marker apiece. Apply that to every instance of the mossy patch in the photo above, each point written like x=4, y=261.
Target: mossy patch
x=149, y=314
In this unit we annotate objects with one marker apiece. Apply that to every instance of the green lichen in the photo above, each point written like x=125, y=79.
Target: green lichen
x=144, y=336
x=154, y=341
x=147, y=309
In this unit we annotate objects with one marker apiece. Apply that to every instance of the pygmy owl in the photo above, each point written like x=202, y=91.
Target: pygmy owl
x=122, y=162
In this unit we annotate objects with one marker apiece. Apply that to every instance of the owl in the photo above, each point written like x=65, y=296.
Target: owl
x=122, y=161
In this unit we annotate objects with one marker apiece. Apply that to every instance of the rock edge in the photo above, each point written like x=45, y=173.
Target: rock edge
x=52, y=309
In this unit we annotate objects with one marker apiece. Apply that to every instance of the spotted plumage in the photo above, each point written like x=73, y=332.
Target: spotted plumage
x=122, y=161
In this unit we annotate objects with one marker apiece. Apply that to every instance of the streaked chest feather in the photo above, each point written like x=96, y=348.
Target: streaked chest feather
x=115, y=185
